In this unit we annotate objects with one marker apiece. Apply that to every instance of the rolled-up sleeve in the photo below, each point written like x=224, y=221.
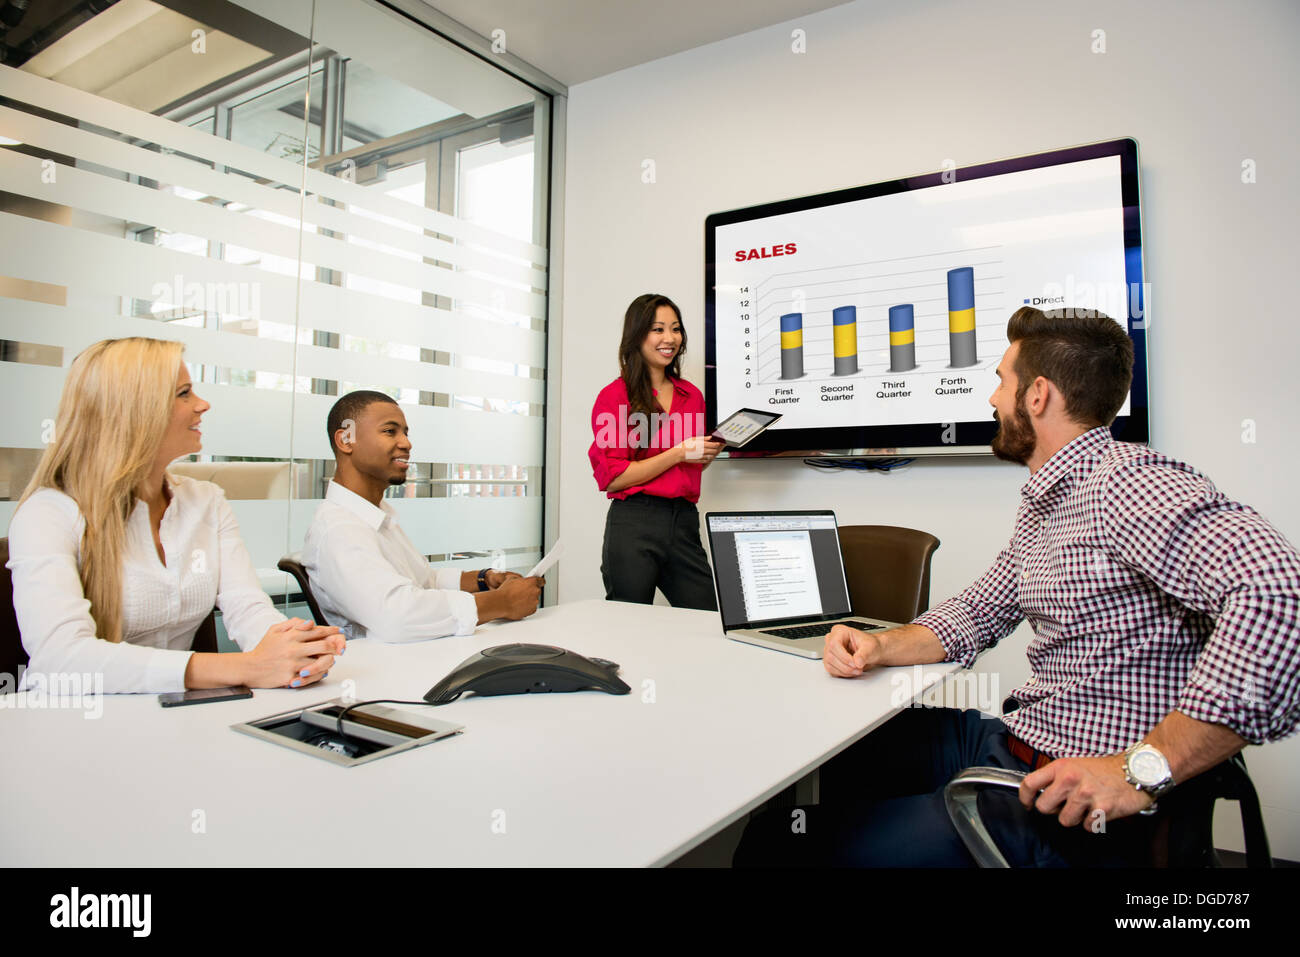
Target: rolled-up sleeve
x=981, y=616
x=53, y=612
x=1224, y=560
x=609, y=453
x=448, y=579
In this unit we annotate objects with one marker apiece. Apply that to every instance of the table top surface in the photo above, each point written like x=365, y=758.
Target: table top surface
x=712, y=728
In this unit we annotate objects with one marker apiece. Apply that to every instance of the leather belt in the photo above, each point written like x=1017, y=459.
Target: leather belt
x=1034, y=758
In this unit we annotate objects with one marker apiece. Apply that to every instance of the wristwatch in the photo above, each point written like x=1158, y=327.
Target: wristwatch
x=1148, y=770
x=482, y=580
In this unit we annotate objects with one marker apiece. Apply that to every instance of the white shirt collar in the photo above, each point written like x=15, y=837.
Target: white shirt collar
x=358, y=506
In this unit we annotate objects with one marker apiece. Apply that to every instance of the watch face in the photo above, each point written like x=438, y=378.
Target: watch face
x=1148, y=768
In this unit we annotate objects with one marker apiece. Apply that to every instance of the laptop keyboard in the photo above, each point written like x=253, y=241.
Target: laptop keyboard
x=817, y=631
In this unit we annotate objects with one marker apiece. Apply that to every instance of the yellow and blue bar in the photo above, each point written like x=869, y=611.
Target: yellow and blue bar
x=902, y=338
x=961, y=317
x=792, y=345
x=844, y=326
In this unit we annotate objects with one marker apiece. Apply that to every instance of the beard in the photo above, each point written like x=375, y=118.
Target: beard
x=1015, y=440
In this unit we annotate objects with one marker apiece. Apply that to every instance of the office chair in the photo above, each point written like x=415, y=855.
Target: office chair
x=888, y=570
x=205, y=639
x=293, y=565
x=1183, y=836
x=13, y=654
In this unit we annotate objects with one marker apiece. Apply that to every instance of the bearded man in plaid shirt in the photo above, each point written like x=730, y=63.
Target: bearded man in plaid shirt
x=1166, y=624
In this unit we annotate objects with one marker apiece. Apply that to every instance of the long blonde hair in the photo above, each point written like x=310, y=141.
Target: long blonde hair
x=116, y=405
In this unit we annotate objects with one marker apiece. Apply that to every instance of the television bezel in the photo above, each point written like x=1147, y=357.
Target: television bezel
x=966, y=438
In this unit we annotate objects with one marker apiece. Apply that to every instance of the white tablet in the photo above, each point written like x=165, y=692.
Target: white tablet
x=739, y=427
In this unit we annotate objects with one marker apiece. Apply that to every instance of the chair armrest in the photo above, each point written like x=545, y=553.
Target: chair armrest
x=959, y=797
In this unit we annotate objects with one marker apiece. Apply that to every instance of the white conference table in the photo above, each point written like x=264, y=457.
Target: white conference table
x=712, y=728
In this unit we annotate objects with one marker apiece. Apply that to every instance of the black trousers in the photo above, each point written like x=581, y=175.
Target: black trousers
x=655, y=542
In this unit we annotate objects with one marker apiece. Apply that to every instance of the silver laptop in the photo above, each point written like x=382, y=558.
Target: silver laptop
x=780, y=579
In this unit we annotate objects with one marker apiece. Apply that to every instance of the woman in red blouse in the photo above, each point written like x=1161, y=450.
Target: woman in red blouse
x=649, y=450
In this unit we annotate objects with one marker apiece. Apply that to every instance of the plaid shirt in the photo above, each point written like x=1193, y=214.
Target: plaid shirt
x=1148, y=591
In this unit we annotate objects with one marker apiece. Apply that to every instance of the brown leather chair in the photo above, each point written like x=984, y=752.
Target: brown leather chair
x=293, y=565
x=13, y=654
x=888, y=570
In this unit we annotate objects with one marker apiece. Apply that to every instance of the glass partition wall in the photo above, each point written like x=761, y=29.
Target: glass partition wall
x=314, y=196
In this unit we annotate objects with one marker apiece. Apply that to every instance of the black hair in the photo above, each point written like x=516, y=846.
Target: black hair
x=637, y=323
x=349, y=409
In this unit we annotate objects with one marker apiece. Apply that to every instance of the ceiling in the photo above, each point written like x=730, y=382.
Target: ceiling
x=579, y=40
x=141, y=53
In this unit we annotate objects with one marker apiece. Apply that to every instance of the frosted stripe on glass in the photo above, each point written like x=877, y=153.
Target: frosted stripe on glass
x=439, y=525
x=437, y=434
x=346, y=366
x=110, y=152
x=91, y=263
x=131, y=203
x=51, y=95
x=347, y=311
x=31, y=395
x=75, y=329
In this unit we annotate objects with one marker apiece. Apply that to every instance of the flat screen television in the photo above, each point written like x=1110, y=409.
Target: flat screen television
x=872, y=318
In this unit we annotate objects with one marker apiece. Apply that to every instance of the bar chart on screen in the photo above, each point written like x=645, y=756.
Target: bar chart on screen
x=833, y=323
x=893, y=309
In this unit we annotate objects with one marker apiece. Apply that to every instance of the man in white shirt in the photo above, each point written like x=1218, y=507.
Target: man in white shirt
x=367, y=575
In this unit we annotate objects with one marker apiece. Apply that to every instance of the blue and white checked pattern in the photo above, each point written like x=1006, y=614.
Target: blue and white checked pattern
x=1148, y=591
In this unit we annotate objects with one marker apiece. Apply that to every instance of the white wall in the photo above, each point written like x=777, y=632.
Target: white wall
x=895, y=89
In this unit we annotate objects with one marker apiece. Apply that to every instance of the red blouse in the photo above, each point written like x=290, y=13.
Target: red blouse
x=621, y=439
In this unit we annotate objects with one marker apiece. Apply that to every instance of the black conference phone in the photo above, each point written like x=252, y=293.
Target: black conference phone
x=526, y=669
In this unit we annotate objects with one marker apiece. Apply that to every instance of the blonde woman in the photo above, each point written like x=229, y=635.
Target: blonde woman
x=116, y=563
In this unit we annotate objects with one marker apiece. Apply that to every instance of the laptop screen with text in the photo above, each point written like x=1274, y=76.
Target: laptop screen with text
x=774, y=566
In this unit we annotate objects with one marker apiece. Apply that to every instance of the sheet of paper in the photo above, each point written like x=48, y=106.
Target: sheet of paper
x=778, y=577
x=549, y=559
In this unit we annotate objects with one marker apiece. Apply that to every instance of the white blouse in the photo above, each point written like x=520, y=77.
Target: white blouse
x=162, y=605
